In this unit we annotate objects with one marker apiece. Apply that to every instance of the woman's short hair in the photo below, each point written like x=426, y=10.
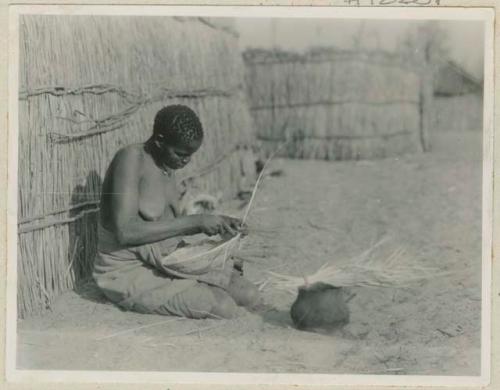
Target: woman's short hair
x=178, y=124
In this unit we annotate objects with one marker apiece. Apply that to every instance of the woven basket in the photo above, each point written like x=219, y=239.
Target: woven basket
x=202, y=256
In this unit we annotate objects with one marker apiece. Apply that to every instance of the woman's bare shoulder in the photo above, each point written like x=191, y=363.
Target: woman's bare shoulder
x=126, y=163
x=129, y=154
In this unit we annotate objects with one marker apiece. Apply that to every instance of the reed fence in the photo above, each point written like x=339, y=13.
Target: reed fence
x=338, y=105
x=92, y=84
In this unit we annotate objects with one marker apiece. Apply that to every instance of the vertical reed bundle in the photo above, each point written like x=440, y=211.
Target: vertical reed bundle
x=92, y=84
x=335, y=105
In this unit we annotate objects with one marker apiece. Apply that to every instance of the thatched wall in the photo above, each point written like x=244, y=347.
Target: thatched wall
x=458, y=113
x=90, y=85
x=335, y=105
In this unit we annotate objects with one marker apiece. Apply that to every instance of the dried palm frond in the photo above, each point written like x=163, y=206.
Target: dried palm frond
x=364, y=270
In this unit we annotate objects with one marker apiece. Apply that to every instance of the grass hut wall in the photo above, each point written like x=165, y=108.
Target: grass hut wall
x=458, y=100
x=458, y=113
x=92, y=84
x=337, y=105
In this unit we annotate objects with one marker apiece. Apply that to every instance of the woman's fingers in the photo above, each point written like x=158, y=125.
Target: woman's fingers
x=235, y=223
x=244, y=229
x=228, y=229
x=212, y=230
x=223, y=225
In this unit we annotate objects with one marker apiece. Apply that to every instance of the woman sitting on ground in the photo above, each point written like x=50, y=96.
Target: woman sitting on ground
x=140, y=223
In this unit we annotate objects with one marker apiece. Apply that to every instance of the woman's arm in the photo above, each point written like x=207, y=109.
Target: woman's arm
x=130, y=229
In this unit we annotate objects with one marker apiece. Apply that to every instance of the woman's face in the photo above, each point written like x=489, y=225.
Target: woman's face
x=177, y=156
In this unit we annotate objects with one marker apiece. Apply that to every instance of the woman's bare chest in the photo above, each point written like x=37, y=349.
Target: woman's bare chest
x=158, y=197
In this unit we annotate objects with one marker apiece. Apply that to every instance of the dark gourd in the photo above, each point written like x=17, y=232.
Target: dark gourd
x=319, y=306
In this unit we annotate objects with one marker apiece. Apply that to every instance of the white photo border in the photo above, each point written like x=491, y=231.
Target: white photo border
x=400, y=13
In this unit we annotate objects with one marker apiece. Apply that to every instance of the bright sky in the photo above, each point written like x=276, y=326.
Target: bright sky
x=465, y=38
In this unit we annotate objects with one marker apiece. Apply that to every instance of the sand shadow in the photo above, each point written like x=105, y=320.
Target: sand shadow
x=277, y=317
x=89, y=291
x=282, y=319
x=83, y=236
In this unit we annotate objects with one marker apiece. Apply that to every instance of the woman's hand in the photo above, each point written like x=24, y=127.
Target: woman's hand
x=219, y=224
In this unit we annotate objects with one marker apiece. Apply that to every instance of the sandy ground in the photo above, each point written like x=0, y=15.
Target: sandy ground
x=322, y=211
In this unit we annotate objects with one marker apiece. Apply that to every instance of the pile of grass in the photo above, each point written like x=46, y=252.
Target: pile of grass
x=336, y=105
x=92, y=84
x=378, y=266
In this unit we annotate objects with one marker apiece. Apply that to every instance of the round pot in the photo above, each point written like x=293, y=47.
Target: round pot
x=320, y=306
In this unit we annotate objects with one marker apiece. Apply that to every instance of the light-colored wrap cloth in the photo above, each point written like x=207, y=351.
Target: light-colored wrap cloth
x=145, y=278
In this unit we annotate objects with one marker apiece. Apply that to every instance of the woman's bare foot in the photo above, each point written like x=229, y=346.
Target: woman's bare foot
x=244, y=292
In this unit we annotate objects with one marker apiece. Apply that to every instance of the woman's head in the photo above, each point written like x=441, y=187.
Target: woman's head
x=178, y=133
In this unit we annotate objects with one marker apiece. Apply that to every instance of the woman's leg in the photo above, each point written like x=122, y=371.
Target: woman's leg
x=199, y=301
x=225, y=306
